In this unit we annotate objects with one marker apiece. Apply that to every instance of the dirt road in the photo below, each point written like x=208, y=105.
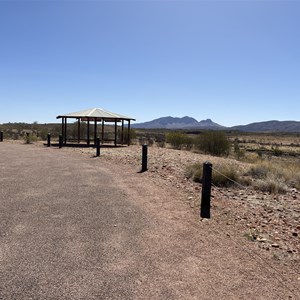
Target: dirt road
x=77, y=227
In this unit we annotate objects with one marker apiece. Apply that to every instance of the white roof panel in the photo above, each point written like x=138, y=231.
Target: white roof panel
x=95, y=113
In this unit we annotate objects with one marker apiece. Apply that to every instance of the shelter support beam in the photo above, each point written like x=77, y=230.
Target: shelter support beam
x=65, y=136
x=116, y=133
x=122, y=133
x=95, y=131
x=78, y=131
x=62, y=127
x=64, y=130
x=128, y=137
x=88, y=132
x=102, y=132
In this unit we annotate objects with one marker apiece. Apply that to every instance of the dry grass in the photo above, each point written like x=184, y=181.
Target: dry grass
x=223, y=174
x=272, y=174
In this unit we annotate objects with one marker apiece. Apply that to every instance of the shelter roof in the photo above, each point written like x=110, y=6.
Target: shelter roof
x=98, y=113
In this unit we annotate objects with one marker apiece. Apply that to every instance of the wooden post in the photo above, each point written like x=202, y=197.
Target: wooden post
x=144, y=158
x=1, y=136
x=115, y=132
x=206, y=190
x=122, y=133
x=88, y=132
x=65, y=137
x=48, y=140
x=60, y=140
x=95, y=132
x=102, y=132
x=63, y=127
x=97, y=146
x=78, y=131
x=128, y=137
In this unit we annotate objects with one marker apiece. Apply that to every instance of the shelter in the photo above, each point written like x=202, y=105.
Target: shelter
x=96, y=115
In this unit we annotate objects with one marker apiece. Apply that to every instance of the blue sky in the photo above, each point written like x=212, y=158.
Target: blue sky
x=236, y=62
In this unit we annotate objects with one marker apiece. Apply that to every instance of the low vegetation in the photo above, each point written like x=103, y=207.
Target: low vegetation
x=210, y=142
x=267, y=175
x=272, y=160
x=179, y=140
x=213, y=142
x=223, y=175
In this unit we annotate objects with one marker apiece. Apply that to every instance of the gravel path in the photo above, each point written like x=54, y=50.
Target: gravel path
x=73, y=226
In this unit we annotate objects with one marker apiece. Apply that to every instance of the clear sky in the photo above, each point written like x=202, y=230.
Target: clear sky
x=236, y=62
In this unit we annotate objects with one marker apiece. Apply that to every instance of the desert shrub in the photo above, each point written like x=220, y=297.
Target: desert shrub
x=150, y=142
x=29, y=138
x=260, y=151
x=146, y=141
x=146, y=138
x=277, y=152
x=189, y=143
x=287, y=172
x=161, y=144
x=194, y=172
x=160, y=140
x=179, y=140
x=239, y=153
x=252, y=157
x=43, y=134
x=258, y=171
x=213, y=142
x=271, y=184
x=275, y=176
x=222, y=174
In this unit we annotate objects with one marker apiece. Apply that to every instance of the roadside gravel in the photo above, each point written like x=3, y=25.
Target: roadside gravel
x=270, y=221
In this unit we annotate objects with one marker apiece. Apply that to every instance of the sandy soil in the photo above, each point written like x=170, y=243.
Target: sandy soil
x=267, y=223
x=270, y=221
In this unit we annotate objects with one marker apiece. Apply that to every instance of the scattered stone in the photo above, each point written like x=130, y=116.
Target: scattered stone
x=261, y=239
x=205, y=220
x=275, y=245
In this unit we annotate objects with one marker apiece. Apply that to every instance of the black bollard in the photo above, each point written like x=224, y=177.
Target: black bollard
x=144, y=158
x=48, y=140
x=97, y=146
x=206, y=190
x=60, y=140
x=1, y=136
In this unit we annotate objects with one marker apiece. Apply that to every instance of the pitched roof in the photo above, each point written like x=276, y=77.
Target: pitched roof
x=98, y=113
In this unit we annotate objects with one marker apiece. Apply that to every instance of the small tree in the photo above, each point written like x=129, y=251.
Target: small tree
x=179, y=140
x=213, y=142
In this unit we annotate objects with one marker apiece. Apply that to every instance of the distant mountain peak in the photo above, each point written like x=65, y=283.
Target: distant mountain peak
x=185, y=122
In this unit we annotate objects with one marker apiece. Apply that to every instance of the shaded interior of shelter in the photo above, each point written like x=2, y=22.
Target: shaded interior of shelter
x=85, y=145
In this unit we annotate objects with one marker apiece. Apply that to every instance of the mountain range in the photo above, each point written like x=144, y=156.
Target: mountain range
x=191, y=123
